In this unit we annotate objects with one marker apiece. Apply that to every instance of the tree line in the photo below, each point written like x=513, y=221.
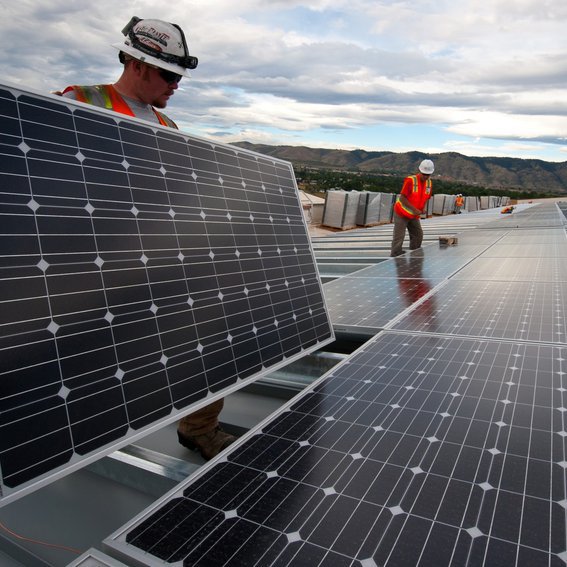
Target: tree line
x=321, y=180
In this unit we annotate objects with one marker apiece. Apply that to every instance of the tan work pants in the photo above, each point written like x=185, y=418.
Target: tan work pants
x=415, y=232
x=201, y=421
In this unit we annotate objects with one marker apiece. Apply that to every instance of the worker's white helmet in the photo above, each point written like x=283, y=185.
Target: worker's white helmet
x=426, y=167
x=157, y=43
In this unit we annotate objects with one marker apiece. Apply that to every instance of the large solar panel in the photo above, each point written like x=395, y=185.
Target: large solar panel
x=143, y=272
x=422, y=448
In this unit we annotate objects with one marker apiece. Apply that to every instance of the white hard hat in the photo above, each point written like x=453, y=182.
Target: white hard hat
x=157, y=43
x=426, y=167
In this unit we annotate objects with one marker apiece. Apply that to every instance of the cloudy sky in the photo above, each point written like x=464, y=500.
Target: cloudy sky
x=476, y=77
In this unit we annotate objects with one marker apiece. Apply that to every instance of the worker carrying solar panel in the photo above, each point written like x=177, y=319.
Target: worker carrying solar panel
x=410, y=204
x=155, y=57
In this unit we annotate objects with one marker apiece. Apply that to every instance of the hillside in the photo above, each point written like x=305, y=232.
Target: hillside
x=498, y=173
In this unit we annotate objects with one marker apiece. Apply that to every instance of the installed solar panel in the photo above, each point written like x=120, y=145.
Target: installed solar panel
x=510, y=269
x=551, y=236
x=526, y=250
x=533, y=217
x=531, y=311
x=366, y=305
x=431, y=261
x=365, y=302
x=142, y=271
x=420, y=449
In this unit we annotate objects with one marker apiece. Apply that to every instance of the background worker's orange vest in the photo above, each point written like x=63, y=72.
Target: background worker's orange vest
x=417, y=197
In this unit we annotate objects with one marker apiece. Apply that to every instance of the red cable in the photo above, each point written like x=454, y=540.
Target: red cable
x=23, y=538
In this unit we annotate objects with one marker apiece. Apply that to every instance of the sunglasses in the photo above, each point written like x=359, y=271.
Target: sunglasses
x=169, y=76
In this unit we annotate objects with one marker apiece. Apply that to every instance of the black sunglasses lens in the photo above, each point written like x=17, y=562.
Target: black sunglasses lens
x=169, y=77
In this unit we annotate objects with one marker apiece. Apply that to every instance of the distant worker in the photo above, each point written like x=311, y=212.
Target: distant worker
x=409, y=205
x=459, y=202
x=155, y=58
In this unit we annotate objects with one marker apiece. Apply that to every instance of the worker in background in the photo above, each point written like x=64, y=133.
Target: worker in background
x=155, y=58
x=459, y=202
x=409, y=206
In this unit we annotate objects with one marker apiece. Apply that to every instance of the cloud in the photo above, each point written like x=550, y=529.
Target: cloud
x=295, y=67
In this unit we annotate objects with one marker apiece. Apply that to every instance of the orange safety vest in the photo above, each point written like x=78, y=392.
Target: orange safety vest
x=459, y=201
x=417, y=198
x=112, y=101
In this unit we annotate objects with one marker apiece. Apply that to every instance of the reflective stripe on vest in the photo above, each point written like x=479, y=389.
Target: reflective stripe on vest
x=112, y=101
x=399, y=206
x=415, y=187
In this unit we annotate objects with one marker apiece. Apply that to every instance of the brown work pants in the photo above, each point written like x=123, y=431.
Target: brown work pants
x=415, y=232
x=201, y=421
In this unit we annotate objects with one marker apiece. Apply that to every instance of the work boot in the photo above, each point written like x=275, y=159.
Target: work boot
x=208, y=444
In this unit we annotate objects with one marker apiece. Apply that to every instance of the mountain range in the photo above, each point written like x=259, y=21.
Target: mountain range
x=490, y=172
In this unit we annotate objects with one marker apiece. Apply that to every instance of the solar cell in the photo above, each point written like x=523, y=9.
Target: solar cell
x=143, y=272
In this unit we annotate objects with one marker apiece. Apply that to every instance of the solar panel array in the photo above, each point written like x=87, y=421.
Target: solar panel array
x=440, y=442
x=516, y=310
x=364, y=302
x=372, y=302
x=143, y=272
